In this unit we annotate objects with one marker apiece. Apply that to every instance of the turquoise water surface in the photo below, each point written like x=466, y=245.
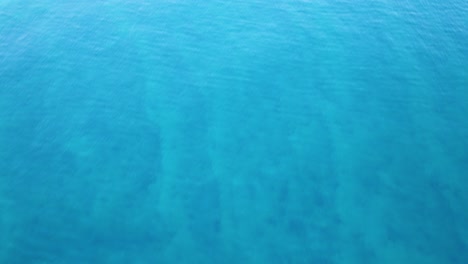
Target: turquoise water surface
x=290, y=131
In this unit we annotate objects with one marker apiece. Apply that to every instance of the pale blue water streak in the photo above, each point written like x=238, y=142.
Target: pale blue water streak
x=233, y=132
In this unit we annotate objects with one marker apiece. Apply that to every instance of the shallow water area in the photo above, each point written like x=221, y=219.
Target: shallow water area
x=233, y=132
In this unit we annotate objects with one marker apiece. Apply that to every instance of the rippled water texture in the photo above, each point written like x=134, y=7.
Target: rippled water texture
x=234, y=131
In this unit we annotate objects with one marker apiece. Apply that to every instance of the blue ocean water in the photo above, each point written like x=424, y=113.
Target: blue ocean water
x=234, y=131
